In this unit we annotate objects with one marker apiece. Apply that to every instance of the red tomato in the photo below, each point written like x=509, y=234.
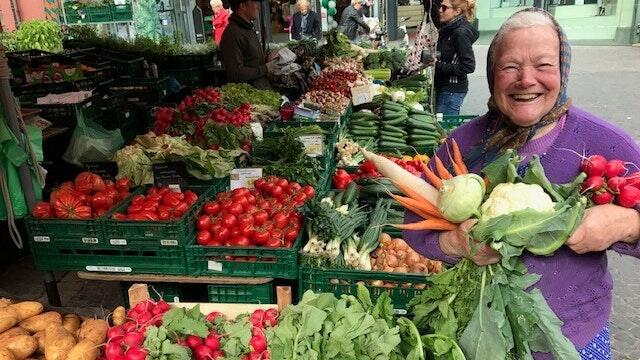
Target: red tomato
x=150, y=206
x=247, y=231
x=264, y=204
x=259, y=183
x=240, y=192
x=277, y=192
x=283, y=183
x=181, y=208
x=152, y=190
x=100, y=200
x=138, y=200
x=222, y=235
x=281, y=220
x=171, y=199
x=242, y=200
x=235, y=209
x=277, y=233
x=245, y=220
x=204, y=237
x=293, y=188
x=290, y=234
x=211, y=208
x=123, y=184
x=272, y=179
x=260, y=237
x=240, y=240
x=251, y=199
x=215, y=242
x=260, y=217
x=134, y=208
x=267, y=187
x=119, y=216
x=250, y=208
x=300, y=199
x=190, y=197
x=204, y=222
x=42, y=210
x=224, y=204
x=164, y=215
x=229, y=221
x=309, y=191
x=273, y=242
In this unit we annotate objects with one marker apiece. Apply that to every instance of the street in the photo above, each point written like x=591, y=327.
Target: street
x=605, y=80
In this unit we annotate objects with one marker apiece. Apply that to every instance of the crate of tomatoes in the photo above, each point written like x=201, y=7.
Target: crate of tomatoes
x=251, y=232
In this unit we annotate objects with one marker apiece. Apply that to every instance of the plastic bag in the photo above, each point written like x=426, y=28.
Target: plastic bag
x=91, y=142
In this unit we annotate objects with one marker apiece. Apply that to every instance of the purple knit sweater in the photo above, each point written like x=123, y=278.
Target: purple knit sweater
x=577, y=287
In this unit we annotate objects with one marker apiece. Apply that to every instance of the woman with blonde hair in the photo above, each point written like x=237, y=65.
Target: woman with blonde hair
x=306, y=23
x=220, y=19
x=456, y=36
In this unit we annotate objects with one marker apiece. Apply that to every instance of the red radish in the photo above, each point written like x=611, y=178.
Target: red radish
x=258, y=343
x=594, y=165
x=213, y=316
x=217, y=354
x=143, y=307
x=629, y=197
x=163, y=306
x=213, y=341
x=129, y=326
x=615, y=168
x=266, y=356
x=194, y=341
x=111, y=350
x=616, y=183
x=203, y=353
x=255, y=355
x=133, y=339
x=592, y=183
x=634, y=180
x=136, y=353
x=256, y=318
x=271, y=317
x=115, y=332
x=145, y=317
x=602, y=198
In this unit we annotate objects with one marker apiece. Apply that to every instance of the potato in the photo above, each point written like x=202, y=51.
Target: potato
x=57, y=342
x=119, y=316
x=84, y=350
x=4, y=302
x=15, y=331
x=21, y=346
x=8, y=318
x=40, y=322
x=27, y=309
x=94, y=330
x=71, y=322
x=5, y=354
x=40, y=336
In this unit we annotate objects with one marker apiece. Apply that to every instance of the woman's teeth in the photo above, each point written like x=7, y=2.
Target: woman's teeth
x=524, y=97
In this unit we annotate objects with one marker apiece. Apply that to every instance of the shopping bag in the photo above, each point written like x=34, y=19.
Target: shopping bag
x=91, y=142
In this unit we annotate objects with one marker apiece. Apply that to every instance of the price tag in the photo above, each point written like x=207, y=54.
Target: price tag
x=118, y=269
x=90, y=240
x=118, y=242
x=361, y=95
x=105, y=169
x=400, y=312
x=244, y=177
x=170, y=173
x=313, y=144
x=169, y=242
x=258, y=132
x=214, y=265
x=41, y=239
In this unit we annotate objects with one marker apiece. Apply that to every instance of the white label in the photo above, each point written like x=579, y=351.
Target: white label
x=313, y=144
x=361, y=95
x=256, y=127
x=244, y=177
x=119, y=269
x=126, y=115
x=88, y=104
x=214, y=265
x=169, y=242
x=175, y=188
x=90, y=240
x=119, y=242
x=176, y=299
x=41, y=239
x=400, y=312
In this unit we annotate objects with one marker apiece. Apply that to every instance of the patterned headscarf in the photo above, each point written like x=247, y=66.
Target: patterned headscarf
x=508, y=135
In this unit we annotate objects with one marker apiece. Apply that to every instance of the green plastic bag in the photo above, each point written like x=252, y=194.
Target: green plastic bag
x=91, y=142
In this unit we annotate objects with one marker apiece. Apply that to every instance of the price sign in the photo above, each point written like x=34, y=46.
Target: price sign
x=105, y=169
x=170, y=173
x=244, y=177
x=313, y=144
x=361, y=95
x=256, y=127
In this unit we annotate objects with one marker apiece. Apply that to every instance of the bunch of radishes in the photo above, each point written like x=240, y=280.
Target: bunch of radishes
x=607, y=182
x=204, y=349
x=258, y=343
x=125, y=342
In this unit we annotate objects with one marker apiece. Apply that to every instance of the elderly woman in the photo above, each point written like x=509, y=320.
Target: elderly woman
x=351, y=19
x=306, y=23
x=527, y=70
x=220, y=19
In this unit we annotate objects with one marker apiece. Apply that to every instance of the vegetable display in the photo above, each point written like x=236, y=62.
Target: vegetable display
x=609, y=181
x=395, y=255
x=160, y=204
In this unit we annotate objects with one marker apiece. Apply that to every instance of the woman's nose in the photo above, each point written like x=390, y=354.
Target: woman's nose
x=527, y=76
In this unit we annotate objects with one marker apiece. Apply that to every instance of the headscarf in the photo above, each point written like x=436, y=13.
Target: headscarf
x=508, y=135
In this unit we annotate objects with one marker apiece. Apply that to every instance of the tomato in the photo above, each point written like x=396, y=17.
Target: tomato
x=277, y=192
x=204, y=222
x=164, y=215
x=290, y=234
x=242, y=200
x=119, y=216
x=264, y=205
x=259, y=183
x=250, y=208
x=234, y=233
x=268, y=187
x=272, y=179
x=215, y=242
x=100, y=200
x=245, y=220
x=138, y=200
x=152, y=191
x=260, y=217
x=281, y=220
x=171, y=199
x=190, y=197
x=150, y=206
x=309, y=191
x=222, y=235
x=283, y=183
x=273, y=242
x=300, y=199
x=293, y=188
x=148, y=215
x=88, y=183
x=243, y=191
x=134, y=208
x=111, y=192
x=67, y=185
x=123, y=184
x=211, y=208
x=240, y=240
x=224, y=204
x=251, y=199
x=228, y=221
x=276, y=233
x=260, y=237
x=42, y=210
x=204, y=237
x=235, y=209
x=247, y=231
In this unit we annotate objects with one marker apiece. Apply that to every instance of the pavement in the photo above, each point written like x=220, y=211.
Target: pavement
x=605, y=80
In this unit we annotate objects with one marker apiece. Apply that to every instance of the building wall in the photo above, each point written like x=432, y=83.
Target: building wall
x=27, y=10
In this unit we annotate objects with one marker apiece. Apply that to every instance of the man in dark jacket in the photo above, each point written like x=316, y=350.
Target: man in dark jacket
x=351, y=19
x=306, y=23
x=241, y=50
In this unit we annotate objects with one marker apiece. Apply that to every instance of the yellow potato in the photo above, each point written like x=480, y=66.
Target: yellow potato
x=40, y=336
x=15, y=331
x=94, y=330
x=4, y=302
x=40, y=322
x=84, y=350
x=27, y=309
x=71, y=322
x=21, y=346
x=8, y=318
x=5, y=354
x=119, y=316
x=57, y=342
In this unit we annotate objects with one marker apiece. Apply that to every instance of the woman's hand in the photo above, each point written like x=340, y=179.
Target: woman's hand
x=456, y=243
x=602, y=226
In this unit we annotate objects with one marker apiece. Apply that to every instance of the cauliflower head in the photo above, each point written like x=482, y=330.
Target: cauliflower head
x=507, y=198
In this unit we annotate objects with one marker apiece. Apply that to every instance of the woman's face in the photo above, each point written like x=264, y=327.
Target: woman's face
x=526, y=79
x=447, y=12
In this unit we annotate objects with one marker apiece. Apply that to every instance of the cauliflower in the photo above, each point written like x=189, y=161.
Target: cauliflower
x=507, y=198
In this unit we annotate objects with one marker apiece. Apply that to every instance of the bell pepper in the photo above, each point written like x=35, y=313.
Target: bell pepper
x=341, y=179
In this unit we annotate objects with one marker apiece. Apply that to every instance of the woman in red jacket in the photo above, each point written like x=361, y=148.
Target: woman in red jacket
x=220, y=19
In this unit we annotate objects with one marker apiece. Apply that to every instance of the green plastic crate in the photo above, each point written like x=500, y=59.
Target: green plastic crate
x=169, y=292
x=71, y=255
x=161, y=233
x=451, y=122
x=121, y=12
x=147, y=90
x=248, y=294
x=346, y=282
x=255, y=261
x=98, y=14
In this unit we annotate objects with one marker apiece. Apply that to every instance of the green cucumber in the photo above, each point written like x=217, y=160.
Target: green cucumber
x=418, y=131
x=392, y=128
x=363, y=132
x=424, y=118
x=363, y=123
x=421, y=124
x=425, y=143
x=394, y=145
x=392, y=134
x=350, y=194
x=365, y=128
x=392, y=139
x=392, y=105
x=394, y=120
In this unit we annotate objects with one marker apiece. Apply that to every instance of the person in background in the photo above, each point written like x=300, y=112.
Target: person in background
x=351, y=19
x=366, y=8
x=455, y=40
x=220, y=20
x=528, y=66
x=433, y=7
x=306, y=23
x=242, y=55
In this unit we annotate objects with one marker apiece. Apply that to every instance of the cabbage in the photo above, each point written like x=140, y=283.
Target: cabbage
x=460, y=197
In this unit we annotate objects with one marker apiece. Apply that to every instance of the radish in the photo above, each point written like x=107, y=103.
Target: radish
x=592, y=183
x=115, y=332
x=143, y=307
x=616, y=183
x=594, y=165
x=111, y=350
x=194, y=341
x=602, y=198
x=213, y=341
x=615, y=168
x=629, y=197
x=257, y=317
x=213, y=316
x=266, y=356
x=145, y=317
x=202, y=353
x=255, y=356
x=136, y=353
x=633, y=180
x=133, y=339
x=271, y=317
x=129, y=326
x=163, y=306
x=217, y=354
x=258, y=343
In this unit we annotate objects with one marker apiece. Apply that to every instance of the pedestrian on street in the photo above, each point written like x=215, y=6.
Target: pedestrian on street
x=242, y=55
x=306, y=23
x=351, y=19
x=529, y=110
x=220, y=20
x=455, y=41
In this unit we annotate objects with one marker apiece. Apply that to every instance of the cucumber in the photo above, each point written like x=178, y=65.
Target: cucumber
x=388, y=127
x=394, y=121
x=337, y=201
x=350, y=194
x=380, y=190
x=425, y=118
x=363, y=132
x=417, y=137
x=392, y=139
x=421, y=124
x=392, y=105
x=418, y=131
x=363, y=123
x=365, y=128
x=395, y=145
x=426, y=143
x=392, y=134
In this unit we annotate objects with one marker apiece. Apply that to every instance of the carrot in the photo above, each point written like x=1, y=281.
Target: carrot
x=442, y=171
x=457, y=156
x=431, y=176
x=425, y=208
x=456, y=168
x=409, y=192
x=431, y=224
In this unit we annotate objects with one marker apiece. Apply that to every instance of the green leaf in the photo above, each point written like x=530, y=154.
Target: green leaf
x=535, y=175
x=502, y=170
